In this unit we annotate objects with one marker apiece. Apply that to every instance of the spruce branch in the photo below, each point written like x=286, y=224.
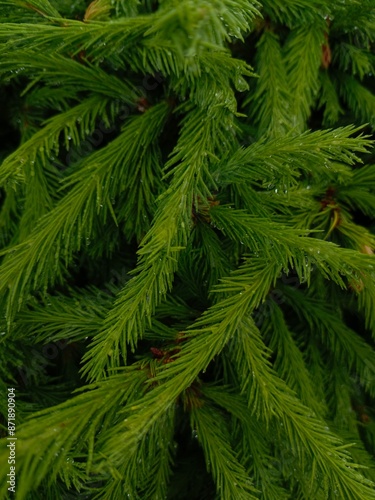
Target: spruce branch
x=179, y=373
x=365, y=300
x=302, y=429
x=210, y=258
x=289, y=361
x=72, y=126
x=295, y=12
x=302, y=71
x=205, y=26
x=71, y=318
x=329, y=99
x=40, y=195
x=53, y=436
x=37, y=261
x=125, y=8
x=271, y=102
x=230, y=476
x=251, y=436
x=306, y=251
x=77, y=36
x=358, y=60
x=346, y=347
x=358, y=98
x=56, y=69
x=205, y=339
x=41, y=7
x=328, y=153
x=298, y=422
x=210, y=273
x=160, y=248
x=9, y=213
x=353, y=15
x=144, y=478
x=218, y=73
x=360, y=193
x=10, y=13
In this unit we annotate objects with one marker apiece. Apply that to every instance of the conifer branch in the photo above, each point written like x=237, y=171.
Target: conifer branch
x=294, y=12
x=327, y=153
x=55, y=69
x=9, y=212
x=251, y=434
x=70, y=318
x=289, y=361
x=160, y=248
x=271, y=102
x=303, y=72
x=41, y=7
x=299, y=425
x=343, y=343
x=306, y=251
x=73, y=125
x=144, y=478
x=360, y=193
x=37, y=261
x=329, y=99
x=358, y=98
x=208, y=26
x=349, y=17
x=211, y=272
x=56, y=436
x=230, y=476
x=358, y=60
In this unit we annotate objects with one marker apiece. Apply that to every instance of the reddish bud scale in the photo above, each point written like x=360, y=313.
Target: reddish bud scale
x=326, y=53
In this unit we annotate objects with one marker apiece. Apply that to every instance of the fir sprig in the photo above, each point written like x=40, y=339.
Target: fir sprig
x=203, y=274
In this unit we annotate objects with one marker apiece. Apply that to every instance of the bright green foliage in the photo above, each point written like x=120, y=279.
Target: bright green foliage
x=187, y=280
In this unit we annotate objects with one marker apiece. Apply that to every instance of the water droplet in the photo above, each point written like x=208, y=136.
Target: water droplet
x=241, y=84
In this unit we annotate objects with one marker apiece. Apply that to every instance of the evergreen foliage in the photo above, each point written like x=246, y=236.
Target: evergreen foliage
x=187, y=200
